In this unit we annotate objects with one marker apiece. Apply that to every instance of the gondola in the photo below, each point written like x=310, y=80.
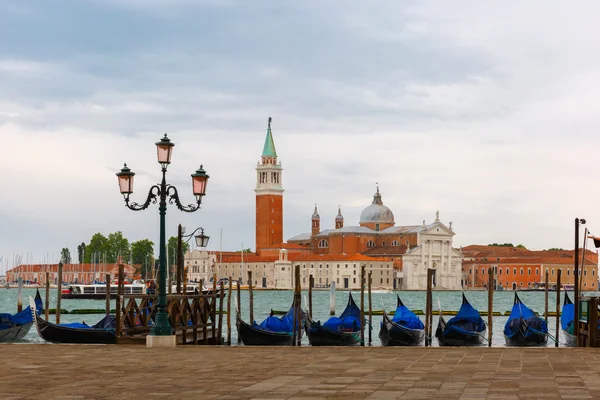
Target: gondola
x=15, y=326
x=273, y=331
x=524, y=328
x=467, y=328
x=77, y=333
x=342, y=331
x=404, y=329
x=567, y=316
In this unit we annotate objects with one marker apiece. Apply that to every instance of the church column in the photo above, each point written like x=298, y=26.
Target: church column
x=450, y=256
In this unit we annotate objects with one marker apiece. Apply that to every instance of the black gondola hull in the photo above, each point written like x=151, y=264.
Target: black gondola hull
x=534, y=339
x=457, y=338
x=251, y=336
x=15, y=333
x=393, y=334
x=570, y=340
x=61, y=334
x=319, y=336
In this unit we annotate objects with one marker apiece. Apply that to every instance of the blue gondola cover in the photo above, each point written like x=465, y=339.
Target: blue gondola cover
x=405, y=317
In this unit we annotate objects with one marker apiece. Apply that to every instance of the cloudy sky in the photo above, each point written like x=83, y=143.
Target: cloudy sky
x=486, y=111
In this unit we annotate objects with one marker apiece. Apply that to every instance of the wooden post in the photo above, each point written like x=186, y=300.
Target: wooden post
x=107, y=294
x=250, y=297
x=170, y=288
x=295, y=332
x=20, y=294
x=229, y=313
x=332, y=298
x=428, y=309
x=576, y=277
x=546, y=299
x=214, y=308
x=59, y=290
x=239, y=303
x=47, y=306
x=310, y=286
x=119, y=301
x=370, y=306
x=490, y=305
x=220, y=327
x=299, y=308
x=179, y=274
x=362, y=305
x=558, y=305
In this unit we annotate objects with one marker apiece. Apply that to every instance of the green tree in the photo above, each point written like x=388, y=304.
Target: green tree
x=65, y=256
x=172, y=249
x=95, y=251
x=520, y=246
x=142, y=253
x=81, y=252
x=248, y=250
x=117, y=245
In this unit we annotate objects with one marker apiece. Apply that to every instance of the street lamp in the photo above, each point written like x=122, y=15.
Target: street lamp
x=160, y=192
x=201, y=241
x=578, y=222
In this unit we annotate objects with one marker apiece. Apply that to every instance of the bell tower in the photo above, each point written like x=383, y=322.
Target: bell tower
x=269, y=196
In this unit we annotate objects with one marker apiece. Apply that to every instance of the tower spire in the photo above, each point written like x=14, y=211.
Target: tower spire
x=269, y=148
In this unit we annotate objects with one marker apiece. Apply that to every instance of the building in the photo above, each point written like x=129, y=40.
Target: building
x=520, y=268
x=71, y=274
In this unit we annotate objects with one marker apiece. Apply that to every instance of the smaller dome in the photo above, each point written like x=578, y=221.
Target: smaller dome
x=377, y=212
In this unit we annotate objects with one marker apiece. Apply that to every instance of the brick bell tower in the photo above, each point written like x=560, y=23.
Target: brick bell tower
x=269, y=196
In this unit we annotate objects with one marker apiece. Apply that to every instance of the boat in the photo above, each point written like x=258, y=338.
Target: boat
x=98, y=291
x=273, y=331
x=342, y=331
x=523, y=327
x=16, y=326
x=404, y=329
x=567, y=316
x=102, y=332
x=467, y=328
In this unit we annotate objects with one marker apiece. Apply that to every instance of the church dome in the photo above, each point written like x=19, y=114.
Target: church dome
x=377, y=212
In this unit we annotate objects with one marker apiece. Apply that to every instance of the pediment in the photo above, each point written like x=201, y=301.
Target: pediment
x=437, y=228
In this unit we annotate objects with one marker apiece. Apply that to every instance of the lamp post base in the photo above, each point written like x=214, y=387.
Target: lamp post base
x=161, y=341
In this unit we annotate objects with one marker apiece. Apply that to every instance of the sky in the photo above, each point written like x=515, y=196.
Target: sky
x=485, y=111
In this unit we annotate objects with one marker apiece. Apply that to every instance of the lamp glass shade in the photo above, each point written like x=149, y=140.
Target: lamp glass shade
x=202, y=240
x=164, y=149
x=199, y=181
x=125, y=177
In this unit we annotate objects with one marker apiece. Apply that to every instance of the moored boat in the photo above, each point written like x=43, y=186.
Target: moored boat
x=273, y=331
x=404, y=329
x=102, y=332
x=523, y=327
x=342, y=331
x=567, y=316
x=15, y=326
x=467, y=328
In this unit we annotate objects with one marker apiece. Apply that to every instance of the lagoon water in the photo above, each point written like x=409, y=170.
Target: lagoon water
x=265, y=300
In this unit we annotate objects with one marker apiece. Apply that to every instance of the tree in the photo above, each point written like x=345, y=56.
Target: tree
x=502, y=244
x=248, y=250
x=117, y=245
x=556, y=249
x=142, y=253
x=81, y=252
x=520, y=246
x=65, y=256
x=172, y=250
x=96, y=249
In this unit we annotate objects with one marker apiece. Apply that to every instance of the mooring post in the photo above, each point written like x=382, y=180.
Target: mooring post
x=546, y=299
x=20, y=294
x=370, y=306
x=59, y=290
x=490, y=305
x=310, y=286
x=428, y=309
x=299, y=307
x=295, y=301
x=220, y=327
x=558, y=271
x=179, y=274
x=214, y=309
x=170, y=287
x=362, y=305
x=229, y=313
x=250, y=297
x=239, y=303
x=332, y=298
x=119, y=302
x=107, y=294
x=47, y=306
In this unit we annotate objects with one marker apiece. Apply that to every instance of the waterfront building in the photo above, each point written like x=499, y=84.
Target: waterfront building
x=521, y=269
x=72, y=273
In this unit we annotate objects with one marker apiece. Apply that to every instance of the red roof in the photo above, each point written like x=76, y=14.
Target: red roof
x=251, y=258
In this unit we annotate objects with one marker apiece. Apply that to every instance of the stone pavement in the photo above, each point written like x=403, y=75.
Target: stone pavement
x=202, y=372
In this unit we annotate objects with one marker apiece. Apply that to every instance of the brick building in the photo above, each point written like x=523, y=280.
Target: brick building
x=519, y=268
x=72, y=273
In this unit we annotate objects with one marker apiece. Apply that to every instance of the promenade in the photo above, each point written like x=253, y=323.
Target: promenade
x=199, y=372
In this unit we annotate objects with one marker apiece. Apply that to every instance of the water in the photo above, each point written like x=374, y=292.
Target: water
x=265, y=300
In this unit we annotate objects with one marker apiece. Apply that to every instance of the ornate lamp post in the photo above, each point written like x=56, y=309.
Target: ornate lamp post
x=160, y=193
x=201, y=241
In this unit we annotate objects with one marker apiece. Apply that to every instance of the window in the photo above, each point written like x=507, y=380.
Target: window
x=482, y=271
x=395, y=243
x=585, y=284
x=584, y=271
x=537, y=271
x=514, y=271
x=387, y=280
x=376, y=227
x=530, y=271
x=338, y=280
x=520, y=283
x=354, y=272
x=507, y=271
x=500, y=271
x=323, y=244
x=370, y=243
x=569, y=271
x=346, y=265
x=354, y=280
x=521, y=271
x=381, y=280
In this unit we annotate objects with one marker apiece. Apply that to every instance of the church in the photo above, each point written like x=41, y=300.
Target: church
x=398, y=256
